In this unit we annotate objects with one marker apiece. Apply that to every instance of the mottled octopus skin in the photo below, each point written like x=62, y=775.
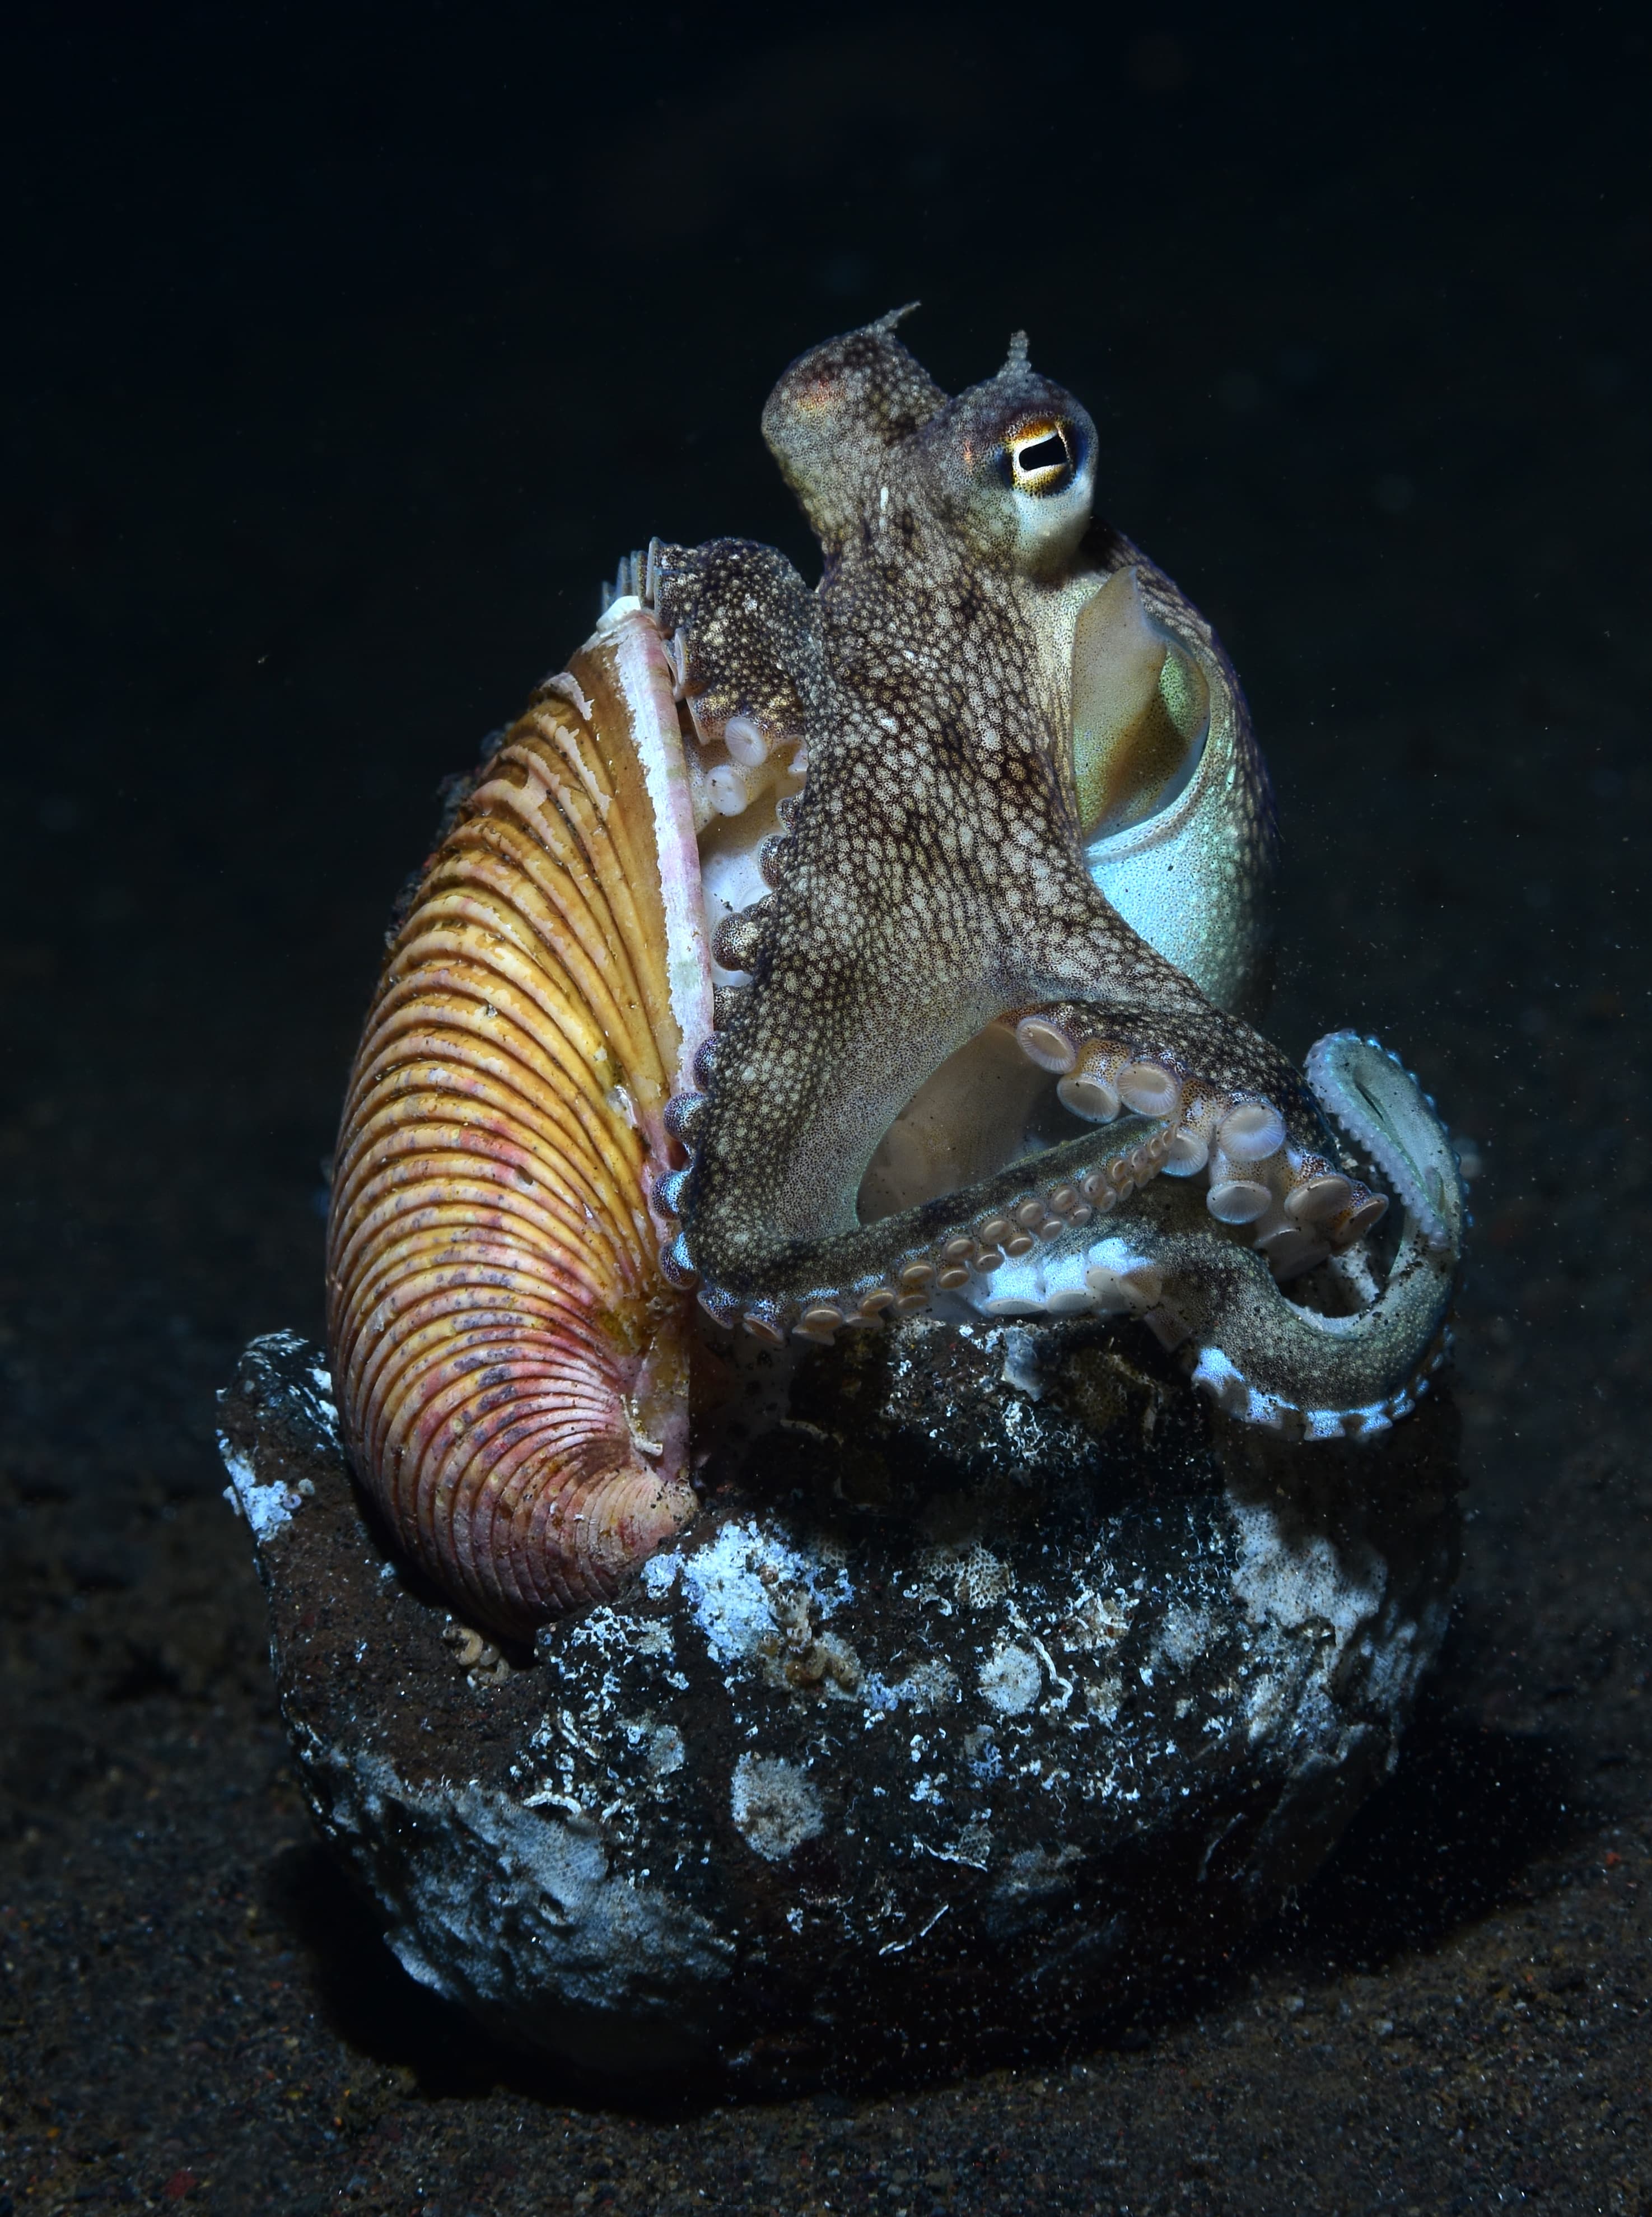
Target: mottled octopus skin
x=932, y=877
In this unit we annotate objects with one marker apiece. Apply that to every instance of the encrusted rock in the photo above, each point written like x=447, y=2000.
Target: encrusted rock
x=999, y=1684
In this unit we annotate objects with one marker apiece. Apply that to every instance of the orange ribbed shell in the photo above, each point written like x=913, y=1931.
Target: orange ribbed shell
x=511, y=1367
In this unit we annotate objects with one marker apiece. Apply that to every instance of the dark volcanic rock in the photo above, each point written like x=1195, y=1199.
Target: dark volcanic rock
x=1000, y=1682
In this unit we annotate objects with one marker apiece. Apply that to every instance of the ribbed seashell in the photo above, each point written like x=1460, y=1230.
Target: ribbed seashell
x=512, y=1368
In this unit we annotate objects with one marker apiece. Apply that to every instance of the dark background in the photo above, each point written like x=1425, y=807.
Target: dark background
x=344, y=353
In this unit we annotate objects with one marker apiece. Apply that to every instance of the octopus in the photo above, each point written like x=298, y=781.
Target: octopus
x=808, y=958
x=986, y=681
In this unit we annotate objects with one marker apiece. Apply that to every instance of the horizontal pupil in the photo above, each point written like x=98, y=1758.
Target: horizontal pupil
x=1048, y=454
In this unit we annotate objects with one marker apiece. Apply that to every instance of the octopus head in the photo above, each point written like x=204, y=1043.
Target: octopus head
x=836, y=416
x=866, y=439
x=1011, y=464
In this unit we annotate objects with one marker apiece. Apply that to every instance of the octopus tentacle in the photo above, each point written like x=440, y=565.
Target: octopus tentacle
x=900, y=1264
x=743, y=633
x=1270, y=1361
x=1383, y=1109
x=1347, y=1368
x=1260, y=1162
x=1065, y=1234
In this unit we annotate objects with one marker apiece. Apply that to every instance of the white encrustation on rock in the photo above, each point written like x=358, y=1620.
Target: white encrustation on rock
x=930, y=1740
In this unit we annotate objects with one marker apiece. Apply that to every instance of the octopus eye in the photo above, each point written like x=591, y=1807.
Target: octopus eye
x=1040, y=460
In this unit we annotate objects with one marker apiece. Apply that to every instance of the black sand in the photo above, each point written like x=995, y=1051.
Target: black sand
x=347, y=362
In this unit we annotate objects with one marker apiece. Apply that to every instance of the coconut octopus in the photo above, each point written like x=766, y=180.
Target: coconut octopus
x=814, y=957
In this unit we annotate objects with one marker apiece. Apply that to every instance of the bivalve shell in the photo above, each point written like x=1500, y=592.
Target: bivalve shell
x=510, y=1364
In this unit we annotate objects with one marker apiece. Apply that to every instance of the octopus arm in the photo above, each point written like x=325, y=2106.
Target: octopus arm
x=743, y=632
x=1273, y=1362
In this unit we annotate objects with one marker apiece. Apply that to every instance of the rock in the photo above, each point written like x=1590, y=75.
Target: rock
x=1000, y=1683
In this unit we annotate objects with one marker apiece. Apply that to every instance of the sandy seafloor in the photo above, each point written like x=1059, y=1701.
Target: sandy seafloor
x=348, y=358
